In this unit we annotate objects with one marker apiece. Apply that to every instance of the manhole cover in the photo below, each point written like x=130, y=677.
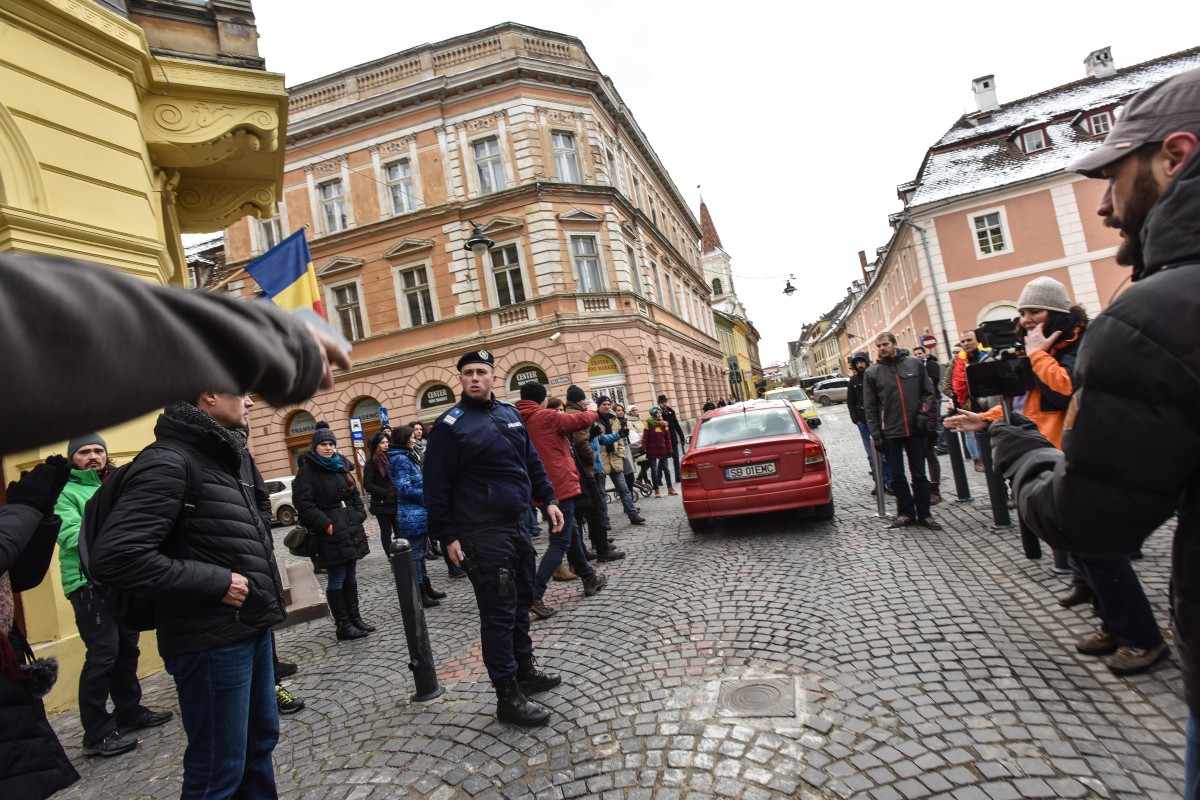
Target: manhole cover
x=758, y=697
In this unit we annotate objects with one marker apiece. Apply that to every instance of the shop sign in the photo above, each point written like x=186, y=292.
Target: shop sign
x=601, y=365
x=527, y=374
x=436, y=395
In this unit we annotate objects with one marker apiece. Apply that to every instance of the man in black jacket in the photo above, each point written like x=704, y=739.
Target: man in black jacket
x=678, y=438
x=216, y=588
x=898, y=398
x=1114, y=482
x=858, y=415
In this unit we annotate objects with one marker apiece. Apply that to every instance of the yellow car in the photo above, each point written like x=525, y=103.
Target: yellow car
x=800, y=400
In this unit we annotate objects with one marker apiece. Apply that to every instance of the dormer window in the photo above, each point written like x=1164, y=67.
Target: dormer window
x=1100, y=123
x=1033, y=141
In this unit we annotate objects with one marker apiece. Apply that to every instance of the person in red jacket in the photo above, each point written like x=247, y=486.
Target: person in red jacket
x=656, y=440
x=970, y=353
x=548, y=433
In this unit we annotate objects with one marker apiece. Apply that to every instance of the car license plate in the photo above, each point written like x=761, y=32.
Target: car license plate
x=749, y=471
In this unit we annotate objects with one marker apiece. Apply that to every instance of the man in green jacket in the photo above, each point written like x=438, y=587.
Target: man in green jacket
x=110, y=666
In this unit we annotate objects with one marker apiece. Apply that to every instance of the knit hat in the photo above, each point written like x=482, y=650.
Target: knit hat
x=86, y=439
x=1044, y=293
x=653, y=410
x=575, y=394
x=632, y=409
x=662, y=398
x=533, y=391
x=323, y=434
x=602, y=399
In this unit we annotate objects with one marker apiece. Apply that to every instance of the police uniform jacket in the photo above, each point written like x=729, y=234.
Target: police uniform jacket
x=480, y=469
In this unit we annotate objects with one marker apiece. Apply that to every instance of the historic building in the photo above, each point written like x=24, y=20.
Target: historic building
x=593, y=276
x=737, y=335
x=122, y=125
x=992, y=207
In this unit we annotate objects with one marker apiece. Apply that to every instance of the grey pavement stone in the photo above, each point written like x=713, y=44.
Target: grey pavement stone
x=926, y=665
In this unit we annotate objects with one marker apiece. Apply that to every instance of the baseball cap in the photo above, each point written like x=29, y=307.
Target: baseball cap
x=1151, y=116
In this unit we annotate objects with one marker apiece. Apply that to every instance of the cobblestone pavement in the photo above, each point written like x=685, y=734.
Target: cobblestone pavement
x=905, y=665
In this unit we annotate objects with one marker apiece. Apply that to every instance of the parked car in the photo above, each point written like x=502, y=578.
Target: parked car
x=830, y=391
x=282, y=509
x=809, y=382
x=751, y=458
x=797, y=397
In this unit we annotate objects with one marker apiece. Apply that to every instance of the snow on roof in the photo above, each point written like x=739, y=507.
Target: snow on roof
x=972, y=158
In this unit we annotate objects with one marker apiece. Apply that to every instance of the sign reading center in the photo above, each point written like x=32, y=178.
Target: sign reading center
x=526, y=373
x=601, y=365
x=436, y=395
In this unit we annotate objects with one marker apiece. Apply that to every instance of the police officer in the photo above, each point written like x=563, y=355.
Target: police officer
x=480, y=473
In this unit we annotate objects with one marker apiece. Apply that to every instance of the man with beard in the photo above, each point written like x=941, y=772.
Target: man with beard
x=1114, y=483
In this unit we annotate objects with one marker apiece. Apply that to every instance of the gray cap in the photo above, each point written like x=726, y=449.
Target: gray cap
x=1151, y=116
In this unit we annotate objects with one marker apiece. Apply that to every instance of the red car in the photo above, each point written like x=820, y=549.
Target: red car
x=751, y=458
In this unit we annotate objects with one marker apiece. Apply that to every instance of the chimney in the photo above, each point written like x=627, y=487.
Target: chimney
x=985, y=93
x=1099, y=63
x=862, y=261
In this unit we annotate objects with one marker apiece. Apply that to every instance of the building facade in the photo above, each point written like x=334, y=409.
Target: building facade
x=739, y=337
x=122, y=125
x=594, y=276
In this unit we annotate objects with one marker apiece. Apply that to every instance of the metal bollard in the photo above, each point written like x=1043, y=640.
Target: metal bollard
x=880, y=500
x=997, y=489
x=961, y=488
x=420, y=653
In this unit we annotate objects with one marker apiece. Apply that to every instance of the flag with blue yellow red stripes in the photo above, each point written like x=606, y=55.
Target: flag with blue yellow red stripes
x=286, y=275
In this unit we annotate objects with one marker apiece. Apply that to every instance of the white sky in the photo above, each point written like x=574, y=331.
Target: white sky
x=797, y=119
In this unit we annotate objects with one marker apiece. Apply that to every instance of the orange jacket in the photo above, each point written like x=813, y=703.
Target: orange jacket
x=1054, y=376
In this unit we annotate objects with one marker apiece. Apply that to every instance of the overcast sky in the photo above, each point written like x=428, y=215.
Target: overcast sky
x=797, y=119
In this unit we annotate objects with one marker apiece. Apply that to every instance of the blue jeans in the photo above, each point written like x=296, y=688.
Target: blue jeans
x=865, y=432
x=342, y=574
x=972, y=444
x=567, y=542
x=618, y=479
x=662, y=472
x=914, y=503
x=1191, y=760
x=417, y=543
x=231, y=718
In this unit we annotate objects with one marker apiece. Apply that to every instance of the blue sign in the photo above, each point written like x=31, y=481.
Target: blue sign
x=383, y=417
x=356, y=432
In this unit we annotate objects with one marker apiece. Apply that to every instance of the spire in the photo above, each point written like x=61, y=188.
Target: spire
x=709, y=240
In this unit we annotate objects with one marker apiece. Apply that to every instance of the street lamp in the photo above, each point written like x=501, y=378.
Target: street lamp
x=788, y=289
x=479, y=243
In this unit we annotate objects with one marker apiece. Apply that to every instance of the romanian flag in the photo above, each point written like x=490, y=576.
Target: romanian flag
x=286, y=275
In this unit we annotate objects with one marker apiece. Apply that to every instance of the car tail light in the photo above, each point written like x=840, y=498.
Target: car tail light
x=687, y=472
x=814, y=455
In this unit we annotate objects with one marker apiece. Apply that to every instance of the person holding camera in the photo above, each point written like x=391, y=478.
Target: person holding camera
x=1051, y=331
x=898, y=399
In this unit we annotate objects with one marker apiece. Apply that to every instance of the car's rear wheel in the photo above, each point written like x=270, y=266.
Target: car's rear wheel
x=824, y=400
x=286, y=515
x=699, y=525
x=825, y=511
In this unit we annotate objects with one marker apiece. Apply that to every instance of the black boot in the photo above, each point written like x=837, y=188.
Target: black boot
x=533, y=679
x=351, y=590
x=428, y=600
x=346, y=629
x=513, y=706
x=428, y=589
x=432, y=548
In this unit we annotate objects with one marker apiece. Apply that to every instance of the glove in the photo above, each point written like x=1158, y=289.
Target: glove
x=924, y=421
x=878, y=445
x=624, y=433
x=41, y=486
x=1010, y=443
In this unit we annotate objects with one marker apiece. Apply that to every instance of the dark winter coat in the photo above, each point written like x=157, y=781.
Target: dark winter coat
x=409, y=487
x=656, y=440
x=330, y=506
x=677, y=435
x=894, y=392
x=139, y=549
x=854, y=398
x=32, y=762
x=380, y=487
x=1132, y=446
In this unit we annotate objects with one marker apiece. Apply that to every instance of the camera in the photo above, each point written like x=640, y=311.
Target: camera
x=1006, y=370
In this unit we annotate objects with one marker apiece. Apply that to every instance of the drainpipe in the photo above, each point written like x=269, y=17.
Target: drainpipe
x=937, y=295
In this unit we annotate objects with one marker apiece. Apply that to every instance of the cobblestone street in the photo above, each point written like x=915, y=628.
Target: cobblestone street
x=904, y=664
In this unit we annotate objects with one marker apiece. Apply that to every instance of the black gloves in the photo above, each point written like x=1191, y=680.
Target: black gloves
x=624, y=433
x=1011, y=442
x=924, y=421
x=41, y=486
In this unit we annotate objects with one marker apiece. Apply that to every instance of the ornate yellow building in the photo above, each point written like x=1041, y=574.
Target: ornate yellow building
x=122, y=126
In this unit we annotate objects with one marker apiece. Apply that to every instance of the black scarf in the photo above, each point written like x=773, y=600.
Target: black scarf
x=607, y=420
x=189, y=414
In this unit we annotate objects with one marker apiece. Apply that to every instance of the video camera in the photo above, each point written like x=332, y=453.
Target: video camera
x=1006, y=370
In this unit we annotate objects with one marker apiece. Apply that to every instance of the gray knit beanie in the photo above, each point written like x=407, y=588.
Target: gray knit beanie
x=1044, y=293
x=83, y=441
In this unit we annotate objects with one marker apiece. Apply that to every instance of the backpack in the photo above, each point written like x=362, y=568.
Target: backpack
x=134, y=611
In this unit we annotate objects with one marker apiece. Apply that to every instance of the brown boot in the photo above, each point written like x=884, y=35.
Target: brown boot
x=563, y=572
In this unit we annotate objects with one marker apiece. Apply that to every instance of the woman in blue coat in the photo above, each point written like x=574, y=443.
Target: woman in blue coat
x=404, y=468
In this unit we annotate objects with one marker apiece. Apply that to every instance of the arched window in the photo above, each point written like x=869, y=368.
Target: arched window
x=717, y=286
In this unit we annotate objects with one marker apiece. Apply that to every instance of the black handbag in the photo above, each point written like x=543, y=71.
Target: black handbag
x=301, y=542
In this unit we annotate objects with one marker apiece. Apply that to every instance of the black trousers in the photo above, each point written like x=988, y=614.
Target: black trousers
x=109, y=668
x=503, y=586
x=1120, y=601
x=388, y=527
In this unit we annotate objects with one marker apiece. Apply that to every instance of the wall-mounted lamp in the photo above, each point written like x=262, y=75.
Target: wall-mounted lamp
x=478, y=243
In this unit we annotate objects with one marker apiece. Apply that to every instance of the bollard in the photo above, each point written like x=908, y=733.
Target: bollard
x=420, y=653
x=880, y=500
x=954, y=444
x=997, y=489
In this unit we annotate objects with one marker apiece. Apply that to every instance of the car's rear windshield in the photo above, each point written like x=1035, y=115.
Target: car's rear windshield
x=791, y=395
x=747, y=425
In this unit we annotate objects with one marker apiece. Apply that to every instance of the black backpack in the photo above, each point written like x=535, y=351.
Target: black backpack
x=134, y=611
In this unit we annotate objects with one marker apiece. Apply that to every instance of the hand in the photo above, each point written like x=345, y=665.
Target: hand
x=556, y=518
x=40, y=486
x=239, y=587
x=455, y=553
x=878, y=444
x=1036, y=339
x=624, y=433
x=964, y=420
x=332, y=355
